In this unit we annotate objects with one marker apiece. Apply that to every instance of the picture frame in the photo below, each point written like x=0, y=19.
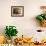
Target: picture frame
x=17, y=11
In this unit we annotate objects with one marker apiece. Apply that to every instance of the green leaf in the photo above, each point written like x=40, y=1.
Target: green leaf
x=10, y=31
x=45, y=16
x=40, y=18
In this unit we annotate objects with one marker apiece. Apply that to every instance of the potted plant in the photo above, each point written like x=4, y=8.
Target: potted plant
x=42, y=17
x=10, y=31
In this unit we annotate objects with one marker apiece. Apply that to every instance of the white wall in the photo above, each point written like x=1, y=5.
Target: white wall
x=26, y=25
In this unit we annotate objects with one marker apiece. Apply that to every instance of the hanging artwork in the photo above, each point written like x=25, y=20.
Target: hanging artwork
x=17, y=11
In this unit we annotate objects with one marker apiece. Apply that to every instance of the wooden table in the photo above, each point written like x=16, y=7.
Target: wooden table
x=25, y=44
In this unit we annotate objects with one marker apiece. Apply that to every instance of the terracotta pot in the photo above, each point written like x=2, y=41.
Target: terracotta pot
x=43, y=23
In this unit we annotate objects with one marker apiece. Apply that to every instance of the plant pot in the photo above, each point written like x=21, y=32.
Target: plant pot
x=9, y=41
x=13, y=38
x=43, y=23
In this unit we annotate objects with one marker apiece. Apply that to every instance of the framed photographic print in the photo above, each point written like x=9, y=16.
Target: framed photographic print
x=17, y=11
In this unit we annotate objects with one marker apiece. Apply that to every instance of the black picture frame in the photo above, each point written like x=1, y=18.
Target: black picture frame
x=17, y=11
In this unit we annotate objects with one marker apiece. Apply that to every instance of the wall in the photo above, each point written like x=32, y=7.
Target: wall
x=26, y=25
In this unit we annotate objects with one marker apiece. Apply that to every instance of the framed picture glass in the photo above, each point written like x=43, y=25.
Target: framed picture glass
x=17, y=11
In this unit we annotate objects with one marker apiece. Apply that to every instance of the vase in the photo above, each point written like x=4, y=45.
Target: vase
x=9, y=41
x=13, y=38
